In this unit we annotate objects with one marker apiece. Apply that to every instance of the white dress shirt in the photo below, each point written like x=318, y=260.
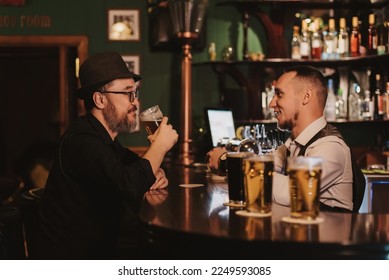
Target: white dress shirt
x=337, y=176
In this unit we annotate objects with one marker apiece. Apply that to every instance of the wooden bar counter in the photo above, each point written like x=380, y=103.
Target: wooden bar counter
x=192, y=223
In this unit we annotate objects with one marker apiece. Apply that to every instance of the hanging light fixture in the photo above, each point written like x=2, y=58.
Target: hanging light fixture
x=187, y=19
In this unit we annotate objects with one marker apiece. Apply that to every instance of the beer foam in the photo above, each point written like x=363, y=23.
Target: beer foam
x=239, y=154
x=151, y=114
x=261, y=158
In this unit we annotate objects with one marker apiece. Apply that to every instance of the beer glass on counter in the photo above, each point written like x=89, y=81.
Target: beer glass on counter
x=151, y=118
x=304, y=185
x=258, y=181
x=235, y=178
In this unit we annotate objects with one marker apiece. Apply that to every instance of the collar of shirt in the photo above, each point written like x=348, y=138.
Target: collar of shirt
x=306, y=135
x=100, y=129
x=294, y=148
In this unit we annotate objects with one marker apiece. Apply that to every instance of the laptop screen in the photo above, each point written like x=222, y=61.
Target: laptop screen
x=220, y=123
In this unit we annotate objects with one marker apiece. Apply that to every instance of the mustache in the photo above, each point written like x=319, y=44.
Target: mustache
x=133, y=109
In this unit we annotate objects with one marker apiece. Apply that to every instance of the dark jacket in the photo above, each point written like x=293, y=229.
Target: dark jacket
x=92, y=182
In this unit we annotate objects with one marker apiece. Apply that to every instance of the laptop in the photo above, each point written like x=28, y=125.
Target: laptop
x=220, y=124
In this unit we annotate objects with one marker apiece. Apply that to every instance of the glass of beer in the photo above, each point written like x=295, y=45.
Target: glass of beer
x=304, y=185
x=151, y=119
x=258, y=181
x=235, y=177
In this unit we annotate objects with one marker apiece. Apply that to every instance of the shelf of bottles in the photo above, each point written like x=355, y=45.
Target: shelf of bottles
x=320, y=41
x=327, y=45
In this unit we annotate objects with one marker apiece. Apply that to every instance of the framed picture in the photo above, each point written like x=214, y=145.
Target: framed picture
x=133, y=63
x=123, y=25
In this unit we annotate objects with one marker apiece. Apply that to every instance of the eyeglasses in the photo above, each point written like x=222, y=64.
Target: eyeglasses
x=131, y=94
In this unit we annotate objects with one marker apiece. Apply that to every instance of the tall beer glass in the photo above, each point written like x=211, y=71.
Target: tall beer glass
x=235, y=177
x=258, y=181
x=304, y=185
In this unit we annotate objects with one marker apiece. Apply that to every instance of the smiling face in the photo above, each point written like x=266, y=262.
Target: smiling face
x=286, y=101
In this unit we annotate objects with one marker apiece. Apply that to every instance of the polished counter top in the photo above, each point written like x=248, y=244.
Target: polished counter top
x=195, y=218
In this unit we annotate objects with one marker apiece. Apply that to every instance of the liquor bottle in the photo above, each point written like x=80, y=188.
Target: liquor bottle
x=378, y=99
x=367, y=106
x=386, y=37
x=354, y=103
x=372, y=41
x=330, y=41
x=212, y=51
x=305, y=43
x=354, y=38
x=295, y=43
x=381, y=48
x=329, y=110
x=340, y=106
x=343, y=39
x=316, y=41
x=386, y=102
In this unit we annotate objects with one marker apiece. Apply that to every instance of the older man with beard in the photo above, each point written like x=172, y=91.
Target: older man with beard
x=298, y=104
x=94, y=181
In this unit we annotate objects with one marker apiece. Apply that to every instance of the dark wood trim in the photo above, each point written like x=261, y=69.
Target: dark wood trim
x=80, y=42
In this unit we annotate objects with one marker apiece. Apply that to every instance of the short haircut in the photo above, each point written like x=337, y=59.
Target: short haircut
x=315, y=78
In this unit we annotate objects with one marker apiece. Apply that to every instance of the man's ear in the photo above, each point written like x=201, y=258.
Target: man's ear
x=98, y=99
x=307, y=95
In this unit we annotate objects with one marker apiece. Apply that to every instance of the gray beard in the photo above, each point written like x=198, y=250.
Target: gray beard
x=116, y=123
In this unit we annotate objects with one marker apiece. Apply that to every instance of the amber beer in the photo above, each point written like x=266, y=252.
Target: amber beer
x=235, y=176
x=304, y=185
x=151, y=126
x=258, y=180
x=151, y=118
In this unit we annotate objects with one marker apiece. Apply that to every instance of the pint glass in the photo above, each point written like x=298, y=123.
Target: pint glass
x=235, y=177
x=304, y=184
x=151, y=119
x=258, y=181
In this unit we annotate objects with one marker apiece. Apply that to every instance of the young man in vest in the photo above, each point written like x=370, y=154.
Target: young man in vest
x=298, y=104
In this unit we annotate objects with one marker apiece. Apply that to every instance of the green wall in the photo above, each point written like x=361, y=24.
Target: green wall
x=160, y=70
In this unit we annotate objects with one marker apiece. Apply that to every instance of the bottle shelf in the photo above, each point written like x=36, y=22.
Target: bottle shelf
x=285, y=62
x=308, y=4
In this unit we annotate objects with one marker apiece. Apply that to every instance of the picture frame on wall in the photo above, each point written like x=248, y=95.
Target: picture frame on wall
x=123, y=25
x=133, y=62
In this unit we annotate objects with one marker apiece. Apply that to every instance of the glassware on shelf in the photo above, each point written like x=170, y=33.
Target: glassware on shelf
x=340, y=106
x=329, y=110
x=355, y=38
x=330, y=41
x=305, y=43
x=212, y=51
x=295, y=43
x=228, y=53
x=367, y=106
x=372, y=41
x=343, y=39
x=354, y=103
x=316, y=41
